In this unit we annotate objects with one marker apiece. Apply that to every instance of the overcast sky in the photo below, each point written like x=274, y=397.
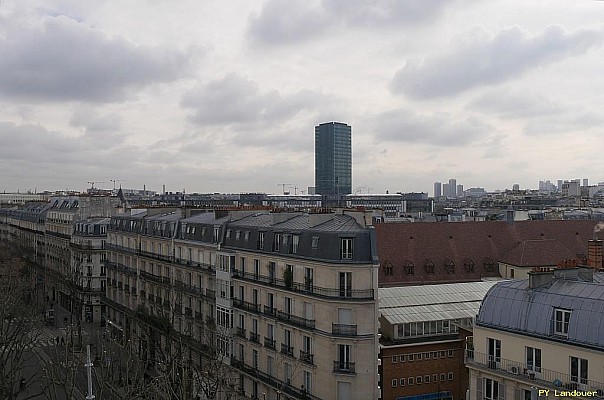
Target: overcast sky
x=223, y=96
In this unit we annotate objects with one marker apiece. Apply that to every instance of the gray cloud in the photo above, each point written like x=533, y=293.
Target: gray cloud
x=49, y=154
x=63, y=60
x=236, y=100
x=284, y=22
x=491, y=60
x=441, y=130
x=540, y=115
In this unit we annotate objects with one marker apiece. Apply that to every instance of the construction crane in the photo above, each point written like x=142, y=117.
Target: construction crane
x=92, y=184
x=116, y=180
x=283, y=186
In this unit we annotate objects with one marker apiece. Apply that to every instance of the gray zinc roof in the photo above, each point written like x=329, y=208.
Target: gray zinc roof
x=513, y=307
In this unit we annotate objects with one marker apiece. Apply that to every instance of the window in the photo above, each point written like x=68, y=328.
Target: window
x=402, y=358
x=578, y=370
x=307, y=382
x=256, y=269
x=410, y=357
x=533, y=359
x=228, y=234
x=394, y=382
x=561, y=320
x=344, y=357
x=216, y=234
x=255, y=358
x=418, y=380
x=435, y=378
x=308, y=278
x=450, y=376
x=277, y=242
x=246, y=236
x=315, y=242
x=345, y=284
x=270, y=365
x=494, y=352
x=491, y=389
x=410, y=381
x=237, y=235
x=450, y=353
x=442, y=377
x=295, y=243
x=402, y=381
x=418, y=356
x=427, y=379
x=394, y=359
x=261, y=240
x=346, y=248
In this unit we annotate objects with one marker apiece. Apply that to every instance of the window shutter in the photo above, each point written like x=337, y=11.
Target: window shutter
x=479, y=386
x=501, y=391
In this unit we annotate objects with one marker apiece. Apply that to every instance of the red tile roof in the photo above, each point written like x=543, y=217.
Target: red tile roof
x=468, y=251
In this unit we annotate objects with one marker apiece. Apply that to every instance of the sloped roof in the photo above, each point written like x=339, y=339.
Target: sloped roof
x=511, y=306
x=399, y=244
x=536, y=253
x=432, y=302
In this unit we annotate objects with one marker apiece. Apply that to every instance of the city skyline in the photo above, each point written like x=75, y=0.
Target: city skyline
x=215, y=97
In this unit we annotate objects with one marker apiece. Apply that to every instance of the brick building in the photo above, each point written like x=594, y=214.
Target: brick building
x=423, y=339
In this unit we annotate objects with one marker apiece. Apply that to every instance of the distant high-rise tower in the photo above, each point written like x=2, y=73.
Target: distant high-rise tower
x=333, y=159
x=438, y=189
x=452, y=188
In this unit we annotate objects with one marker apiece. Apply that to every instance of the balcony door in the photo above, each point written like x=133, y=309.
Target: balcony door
x=494, y=352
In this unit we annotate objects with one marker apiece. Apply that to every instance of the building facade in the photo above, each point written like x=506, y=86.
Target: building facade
x=291, y=298
x=540, y=338
x=333, y=159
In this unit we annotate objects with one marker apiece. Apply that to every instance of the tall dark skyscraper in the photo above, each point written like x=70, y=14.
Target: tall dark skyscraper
x=333, y=159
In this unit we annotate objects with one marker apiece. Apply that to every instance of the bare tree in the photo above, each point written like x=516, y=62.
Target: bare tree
x=20, y=325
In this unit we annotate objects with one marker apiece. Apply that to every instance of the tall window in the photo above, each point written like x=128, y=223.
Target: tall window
x=256, y=269
x=533, y=359
x=261, y=240
x=344, y=358
x=491, y=389
x=277, y=242
x=308, y=278
x=307, y=382
x=295, y=243
x=255, y=358
x=494, y=352
x=346, y=247
x=578, y=370
x=345, y=284
x=561, y=321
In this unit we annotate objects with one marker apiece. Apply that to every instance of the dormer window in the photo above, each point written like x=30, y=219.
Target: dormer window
x=261, y=240
x=469, y=265
x=561, y=321
x=450, y=266
x=277, y=242
x=409, y=268
x=315, y=242
x=346, y=248
x=429, y=266
x=388, y=269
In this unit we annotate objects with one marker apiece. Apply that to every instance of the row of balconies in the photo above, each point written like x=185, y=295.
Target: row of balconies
x=530, y=374
x=197, y=266
x=307, y=288
x=284, y=387
x=274, y=313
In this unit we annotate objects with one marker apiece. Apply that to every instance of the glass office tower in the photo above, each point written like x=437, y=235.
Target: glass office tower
x=333, y=159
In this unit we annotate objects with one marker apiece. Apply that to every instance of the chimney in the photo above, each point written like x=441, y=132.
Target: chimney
x=509, y=215
x=594, y=254
x=538, y=278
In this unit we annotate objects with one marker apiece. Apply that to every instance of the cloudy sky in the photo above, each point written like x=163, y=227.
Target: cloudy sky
x=223, y=96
